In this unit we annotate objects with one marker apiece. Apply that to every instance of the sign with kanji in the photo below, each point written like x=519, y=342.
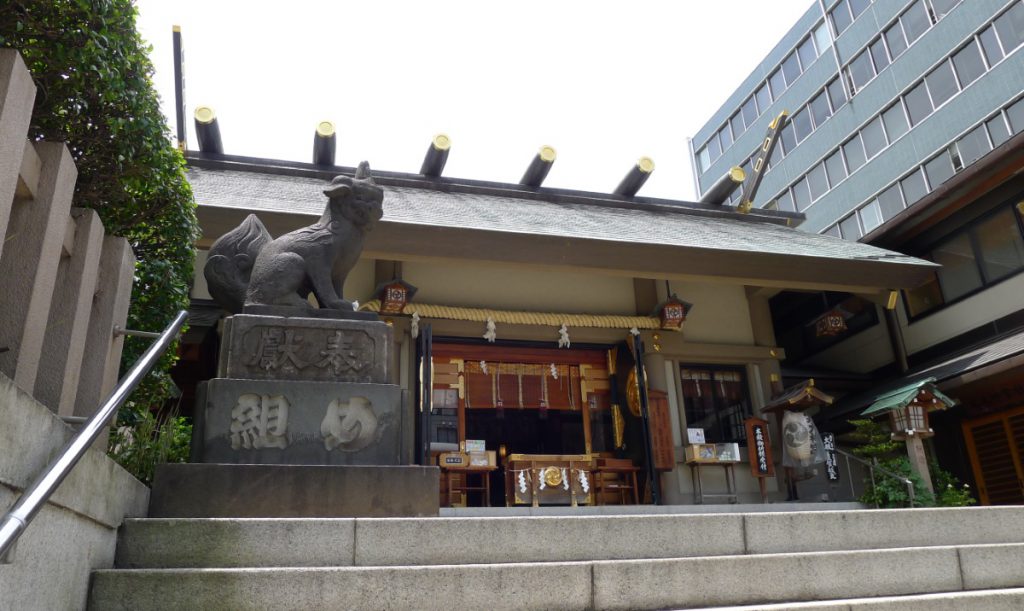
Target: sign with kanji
x=828, y=441
x=759, y=449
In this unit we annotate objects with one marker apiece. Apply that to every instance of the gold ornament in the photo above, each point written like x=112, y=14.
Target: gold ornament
x=633, y=393
x=553, y=477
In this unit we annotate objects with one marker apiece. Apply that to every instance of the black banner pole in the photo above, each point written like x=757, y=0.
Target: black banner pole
x=641, y=381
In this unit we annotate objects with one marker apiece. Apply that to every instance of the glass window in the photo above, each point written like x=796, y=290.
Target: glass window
x=817, y=181
x=919, y=106
x=859, y=6
x=890, y=202
x=790, y=68
x=776, y=156
x=854, y=153
x=895, y=121
x=990, y=45
x=1015, y=114
x=715, y=399
x=787, y=138
x=802, y=124
x=973, y=146
x=968, y=63
x=939, y=170
x=959, y=274
x=873, y=137
x=777, y=83
x=749, y=111
x=801, y=195
x=941, y=83
x=860, y=71
x=1001, y=245
x=850, y=228
x=895, y=39
x=833, y=231
x=704, y=159
x=714, y=147
x=879, y=55
x=763, y=97
x=997, y=130
x=822, y=38
x=870, y=216
x=942, y=7
x=841, y=18
x=806, y=53
x=1010, y=26
x=737, y=127
x=925, y=297
x=836, y=94
x=819, y=109
x=914, y=187
x=836, y=169
x=915, y=21
x=725, y=134
x=785, y=200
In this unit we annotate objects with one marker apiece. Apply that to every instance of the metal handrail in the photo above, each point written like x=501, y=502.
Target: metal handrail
x=38, y=493
x=873, y=466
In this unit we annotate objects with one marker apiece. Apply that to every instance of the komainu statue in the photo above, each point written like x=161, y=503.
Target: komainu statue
x=247, y=269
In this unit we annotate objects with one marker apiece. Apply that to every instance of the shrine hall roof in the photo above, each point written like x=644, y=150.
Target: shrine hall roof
x=473, y=206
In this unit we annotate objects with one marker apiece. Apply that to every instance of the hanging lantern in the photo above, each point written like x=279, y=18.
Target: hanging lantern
x=831, y=323
x=672, y=312
x=394, y=296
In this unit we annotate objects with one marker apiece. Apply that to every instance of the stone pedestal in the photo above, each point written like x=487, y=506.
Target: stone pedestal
x=301, y=391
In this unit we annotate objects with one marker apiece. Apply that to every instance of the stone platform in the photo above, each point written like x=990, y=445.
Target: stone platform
x=293, y=491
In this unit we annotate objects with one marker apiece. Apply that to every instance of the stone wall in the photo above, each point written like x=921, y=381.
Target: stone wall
x=76, y=531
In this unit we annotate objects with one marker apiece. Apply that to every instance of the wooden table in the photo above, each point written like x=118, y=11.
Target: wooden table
x=621, y=467
x=484, y=486
x=698, y=488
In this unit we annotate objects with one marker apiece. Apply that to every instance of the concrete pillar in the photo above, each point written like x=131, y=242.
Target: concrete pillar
x=17, y=95
x=764, y=335
x=29, y=268
x=61, y=361
x=109, y=309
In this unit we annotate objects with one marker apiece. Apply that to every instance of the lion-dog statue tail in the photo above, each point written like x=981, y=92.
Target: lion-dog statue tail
x=230, y=262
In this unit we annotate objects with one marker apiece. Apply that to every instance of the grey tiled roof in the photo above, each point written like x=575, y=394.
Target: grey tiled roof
x=408, y=205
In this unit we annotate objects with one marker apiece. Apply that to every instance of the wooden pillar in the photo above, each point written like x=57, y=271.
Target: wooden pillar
x=29, y=268
x=65, y=344
x=17, y=95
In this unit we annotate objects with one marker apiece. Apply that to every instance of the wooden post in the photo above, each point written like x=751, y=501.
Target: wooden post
x=919, y=460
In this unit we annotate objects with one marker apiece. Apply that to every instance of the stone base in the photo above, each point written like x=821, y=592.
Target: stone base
x=304, y=348
x=288, y=491
x=291, y=311
x=298, y=423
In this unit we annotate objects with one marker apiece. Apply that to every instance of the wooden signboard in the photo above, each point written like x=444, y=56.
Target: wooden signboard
x=758, y=448
x=661, y=430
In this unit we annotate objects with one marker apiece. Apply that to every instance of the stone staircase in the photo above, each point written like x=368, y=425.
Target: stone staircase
x=850, y=559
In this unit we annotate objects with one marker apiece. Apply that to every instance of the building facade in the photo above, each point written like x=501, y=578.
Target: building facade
x=906, y=125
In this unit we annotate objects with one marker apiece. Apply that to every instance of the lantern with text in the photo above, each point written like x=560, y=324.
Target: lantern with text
x=394, y=296
x=672, y=312
x=831, y=323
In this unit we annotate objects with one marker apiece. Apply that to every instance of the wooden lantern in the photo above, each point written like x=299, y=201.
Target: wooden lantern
x=908, y=408
x=672, y=312
x=394, y=296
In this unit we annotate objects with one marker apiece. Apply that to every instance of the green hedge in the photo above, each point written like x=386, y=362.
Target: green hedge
x=96, y=94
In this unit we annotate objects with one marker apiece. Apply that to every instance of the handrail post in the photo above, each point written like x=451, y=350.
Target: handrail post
x=38, y=493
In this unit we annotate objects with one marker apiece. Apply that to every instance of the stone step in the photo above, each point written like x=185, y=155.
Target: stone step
x=617, y=584
x=1004, y=599
x=615, y=510
x=173, y=543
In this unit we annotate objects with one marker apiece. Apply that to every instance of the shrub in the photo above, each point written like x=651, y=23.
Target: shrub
x=94, y=93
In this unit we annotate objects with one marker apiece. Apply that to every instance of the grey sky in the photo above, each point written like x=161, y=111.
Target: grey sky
x=602, y=82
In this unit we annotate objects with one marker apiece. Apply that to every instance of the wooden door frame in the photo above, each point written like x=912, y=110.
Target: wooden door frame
x=972, y=452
